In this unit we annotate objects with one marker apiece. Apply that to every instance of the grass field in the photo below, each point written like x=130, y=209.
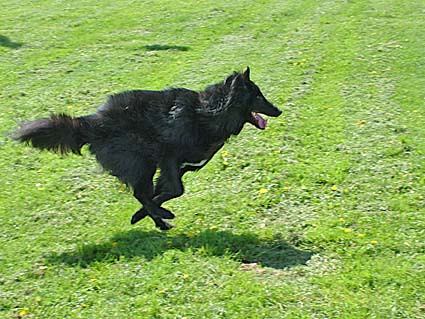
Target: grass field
x=319, y=216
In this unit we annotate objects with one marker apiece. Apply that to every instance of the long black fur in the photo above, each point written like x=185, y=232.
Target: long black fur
x=177, y=130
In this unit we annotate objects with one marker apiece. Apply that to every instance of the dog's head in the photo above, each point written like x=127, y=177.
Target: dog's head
x=250, y=101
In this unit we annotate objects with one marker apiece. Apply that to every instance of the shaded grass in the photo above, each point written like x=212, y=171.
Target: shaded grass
x=246, y=248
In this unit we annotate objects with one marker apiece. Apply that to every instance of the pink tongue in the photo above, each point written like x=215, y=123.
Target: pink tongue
x=261, y=122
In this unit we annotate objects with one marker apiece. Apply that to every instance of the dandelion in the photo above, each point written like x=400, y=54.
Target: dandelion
x=286, y=188
x=224, y=155
x=360, y=235
x=38, y=299
x=334, y=188
x=360, y=123
x=23, y=312
x=341, y=219
x=347, y=230
x=373, y=242
x=263, y=191
x=185, y=276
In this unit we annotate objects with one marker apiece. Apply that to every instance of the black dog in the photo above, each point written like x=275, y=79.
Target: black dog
x=176, y=130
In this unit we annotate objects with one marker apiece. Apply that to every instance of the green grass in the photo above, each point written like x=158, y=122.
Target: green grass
x=319, y=216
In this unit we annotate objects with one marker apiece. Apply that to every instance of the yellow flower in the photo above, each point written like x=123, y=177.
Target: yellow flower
x=213, y=228
x=185, y=276
x=360, y=123
x=263, y=191
x=37, y=299
x=341, y=219
x=373, y=242
x=348, y=230
x=334, y=188
x=23, y=312
x=225, y=163
x=114, y=244
x=360, y=235
x=224, y=153
x=286, y=188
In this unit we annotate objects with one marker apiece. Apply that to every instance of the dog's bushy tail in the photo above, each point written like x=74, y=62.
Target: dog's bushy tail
x=60, y=133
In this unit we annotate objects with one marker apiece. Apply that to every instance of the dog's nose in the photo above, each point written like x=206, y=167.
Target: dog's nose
x=276, y=112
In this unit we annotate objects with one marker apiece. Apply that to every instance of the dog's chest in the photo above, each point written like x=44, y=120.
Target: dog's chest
x=197, y=159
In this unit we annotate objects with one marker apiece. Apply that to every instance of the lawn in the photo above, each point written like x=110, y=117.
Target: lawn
x=319, y=216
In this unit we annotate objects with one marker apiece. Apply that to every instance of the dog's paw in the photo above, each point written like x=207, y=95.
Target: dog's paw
x=165, y=213
x=139, y=215
x=163, y=224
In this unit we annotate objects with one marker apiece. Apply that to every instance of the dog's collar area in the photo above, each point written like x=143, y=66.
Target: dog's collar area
x=260, y=122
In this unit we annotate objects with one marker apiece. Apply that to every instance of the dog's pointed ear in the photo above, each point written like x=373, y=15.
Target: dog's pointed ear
x=241, y=78
x=238, y=81
x=229, y=79
x=246, y=74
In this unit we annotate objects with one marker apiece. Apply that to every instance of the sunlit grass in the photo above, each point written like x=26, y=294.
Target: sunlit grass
x=318, y=216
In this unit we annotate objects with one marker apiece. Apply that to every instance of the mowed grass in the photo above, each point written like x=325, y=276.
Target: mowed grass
x=319, y=216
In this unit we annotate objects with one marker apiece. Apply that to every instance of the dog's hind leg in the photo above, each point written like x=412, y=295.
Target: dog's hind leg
x=143, y=191
x=168, y=186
